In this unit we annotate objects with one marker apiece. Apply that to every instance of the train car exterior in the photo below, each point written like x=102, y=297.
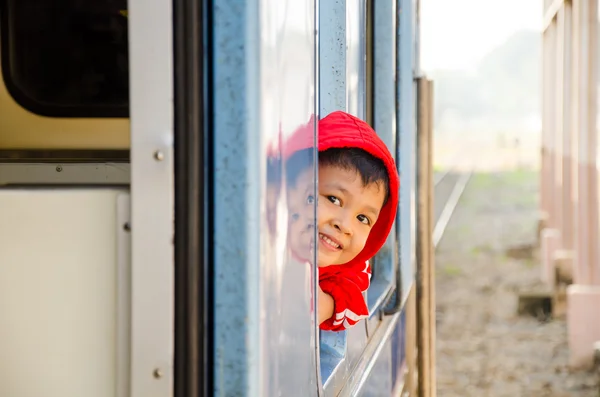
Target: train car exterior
x=148, y=207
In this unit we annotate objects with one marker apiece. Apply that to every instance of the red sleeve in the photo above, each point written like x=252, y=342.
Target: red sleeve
x=346, y=288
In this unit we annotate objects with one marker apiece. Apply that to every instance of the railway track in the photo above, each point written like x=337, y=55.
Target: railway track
x=448, y=189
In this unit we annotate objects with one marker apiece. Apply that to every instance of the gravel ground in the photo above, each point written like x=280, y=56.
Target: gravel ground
x=483, y=347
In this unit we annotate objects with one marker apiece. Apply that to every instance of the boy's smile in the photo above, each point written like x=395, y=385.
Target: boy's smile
x=347, y=211
x=329, y=242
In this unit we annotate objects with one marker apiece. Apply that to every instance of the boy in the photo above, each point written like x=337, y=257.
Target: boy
x=357, y=200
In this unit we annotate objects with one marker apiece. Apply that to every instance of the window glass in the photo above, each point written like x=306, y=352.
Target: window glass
x=67, y=58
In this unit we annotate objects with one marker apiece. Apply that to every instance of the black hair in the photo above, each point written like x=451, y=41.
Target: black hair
x=298, y=162
x=273, y=169
x=370, y=168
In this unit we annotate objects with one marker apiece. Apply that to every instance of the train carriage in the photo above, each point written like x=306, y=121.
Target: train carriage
x=145, y=210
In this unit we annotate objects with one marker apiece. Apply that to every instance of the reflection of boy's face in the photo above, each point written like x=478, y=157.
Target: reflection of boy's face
x=346, y=213
x=301, y=201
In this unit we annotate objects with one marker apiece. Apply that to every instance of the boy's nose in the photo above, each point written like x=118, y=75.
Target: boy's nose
x=342, y=226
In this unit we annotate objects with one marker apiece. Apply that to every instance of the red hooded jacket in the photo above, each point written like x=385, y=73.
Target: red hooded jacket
x=347, y=282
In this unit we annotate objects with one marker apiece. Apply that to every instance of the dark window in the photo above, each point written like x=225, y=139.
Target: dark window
x=66, y=58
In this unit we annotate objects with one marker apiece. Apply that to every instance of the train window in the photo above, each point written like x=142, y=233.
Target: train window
x=338, y=350
x=333, y=346
x=380, y=109
x=66, y=58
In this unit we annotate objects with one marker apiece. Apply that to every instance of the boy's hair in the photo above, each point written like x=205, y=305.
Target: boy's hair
x=298, y=162
x=370, y=168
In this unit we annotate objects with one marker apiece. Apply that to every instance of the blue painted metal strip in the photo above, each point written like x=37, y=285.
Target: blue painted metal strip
x=237, y=196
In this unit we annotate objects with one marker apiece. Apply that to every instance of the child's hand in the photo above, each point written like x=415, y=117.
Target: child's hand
x=325, y=306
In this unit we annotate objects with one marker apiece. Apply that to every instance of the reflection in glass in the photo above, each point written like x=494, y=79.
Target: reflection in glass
x=288, y=287
x=301, y=204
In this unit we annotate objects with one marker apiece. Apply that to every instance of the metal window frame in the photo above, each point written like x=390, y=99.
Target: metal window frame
x=384, y=114
x=332, y=96
x=235, y=73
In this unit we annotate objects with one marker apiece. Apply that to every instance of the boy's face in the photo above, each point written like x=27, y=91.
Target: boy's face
x=347, y=211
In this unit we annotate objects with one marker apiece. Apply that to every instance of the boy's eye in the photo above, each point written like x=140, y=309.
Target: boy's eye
x=334, y=200
x=363, y=219
x=310, y=199
x=295, y=216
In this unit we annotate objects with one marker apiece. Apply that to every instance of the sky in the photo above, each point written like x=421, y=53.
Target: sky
x=456, y=34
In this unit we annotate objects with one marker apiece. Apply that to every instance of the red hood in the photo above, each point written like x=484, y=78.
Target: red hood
x=338, y=130
x=302, y=138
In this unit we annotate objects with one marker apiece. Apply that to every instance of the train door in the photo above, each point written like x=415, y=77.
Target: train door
x=101, y=288
x=64, y=199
